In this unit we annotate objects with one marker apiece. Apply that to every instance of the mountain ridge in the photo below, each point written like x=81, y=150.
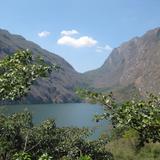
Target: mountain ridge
x=132, y=67
x=133, y=62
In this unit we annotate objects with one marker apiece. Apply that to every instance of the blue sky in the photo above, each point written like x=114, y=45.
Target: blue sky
x=81, y=31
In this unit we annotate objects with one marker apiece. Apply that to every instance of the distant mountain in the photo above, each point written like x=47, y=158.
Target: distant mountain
x=134, y=66
x=59, y=86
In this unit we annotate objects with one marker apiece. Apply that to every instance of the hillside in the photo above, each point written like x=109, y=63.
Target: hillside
x=59, y=86
x=135, y=64
x=132, y=68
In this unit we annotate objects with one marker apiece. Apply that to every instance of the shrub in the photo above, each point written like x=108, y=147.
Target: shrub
x=19, y=136
x=21, y=156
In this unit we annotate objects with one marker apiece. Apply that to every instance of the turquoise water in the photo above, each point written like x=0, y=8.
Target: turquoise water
x=70, y=114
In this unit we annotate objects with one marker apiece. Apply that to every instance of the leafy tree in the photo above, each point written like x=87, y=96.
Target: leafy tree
x=142, y=116
x=19, y=138
x=17, y=72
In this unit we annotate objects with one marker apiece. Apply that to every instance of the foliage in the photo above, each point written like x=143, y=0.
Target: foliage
x=142, y=116
x=85, y=158
x=25, y=156
x=19, y=138
x=19, y=135
x=96, y=150
x=45, y=156
x=17, y=72
x=10, y=132
x=21, y=156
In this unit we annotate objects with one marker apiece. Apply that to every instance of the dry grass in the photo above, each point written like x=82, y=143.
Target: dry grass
x=124, y=149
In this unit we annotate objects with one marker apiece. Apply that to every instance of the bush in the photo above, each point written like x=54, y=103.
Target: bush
x=45, y=156
x=21, y=156
x=19, y=136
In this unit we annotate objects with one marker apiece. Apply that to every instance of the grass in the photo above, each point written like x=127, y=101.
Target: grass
x=124, y=149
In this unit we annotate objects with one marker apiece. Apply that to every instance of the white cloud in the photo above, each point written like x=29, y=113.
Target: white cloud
x=83, y=41
x=44, y=34
x=69, y=32
x=105, y=48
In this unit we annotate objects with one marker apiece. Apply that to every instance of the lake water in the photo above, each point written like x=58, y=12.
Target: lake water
x=70, y=114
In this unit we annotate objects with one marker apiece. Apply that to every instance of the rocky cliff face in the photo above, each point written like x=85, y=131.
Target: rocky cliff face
x=59, y=86
x=136, y=63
